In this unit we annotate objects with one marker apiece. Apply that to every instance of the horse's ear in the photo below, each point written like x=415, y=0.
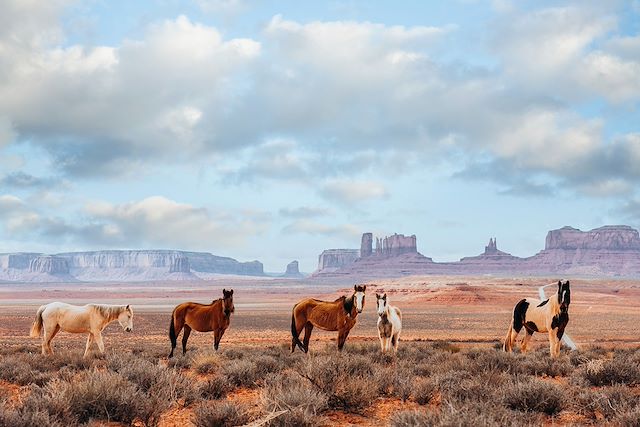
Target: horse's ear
x=559, y=284
x=567, y=283
x=384, y=296
x=355, y=287
x=128, y=308
x=364, y=288
x=231, y=292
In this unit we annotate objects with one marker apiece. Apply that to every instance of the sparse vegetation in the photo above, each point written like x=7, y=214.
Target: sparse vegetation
x=449, y=385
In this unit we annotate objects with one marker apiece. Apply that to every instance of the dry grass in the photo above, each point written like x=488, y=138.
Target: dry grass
x=450, y=385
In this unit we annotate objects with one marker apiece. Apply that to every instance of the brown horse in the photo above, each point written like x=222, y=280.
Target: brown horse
x=203, y=318
x=339, y=315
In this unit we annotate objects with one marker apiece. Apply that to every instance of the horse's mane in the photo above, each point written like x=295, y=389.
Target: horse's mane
x=348, y=304
x=108, y=311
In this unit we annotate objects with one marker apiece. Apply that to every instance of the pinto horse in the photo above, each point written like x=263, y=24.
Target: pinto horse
x=339, y=315
x=90, y=318
x=389, y=323
x=550, y=315
x=203, y=318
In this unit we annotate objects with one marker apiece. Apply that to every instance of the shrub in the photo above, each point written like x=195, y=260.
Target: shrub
x=411, y=419
x=220, y=414
x=534, y=396
x=288, y=391
x=206, y=363
x=240, y=373
x=214, y=388
x=424, y=390
x=619, y=370
x=607, y=402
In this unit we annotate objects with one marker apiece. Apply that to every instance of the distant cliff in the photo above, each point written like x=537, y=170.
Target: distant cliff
x=121, y=265
x=606, y=251
x=333, y=259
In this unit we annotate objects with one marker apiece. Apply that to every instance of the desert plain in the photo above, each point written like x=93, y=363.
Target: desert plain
x=447, y=313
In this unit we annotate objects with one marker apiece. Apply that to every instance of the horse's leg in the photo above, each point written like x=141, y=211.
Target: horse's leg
x=394, y=341
x=382, y=345
x=185, y=337
x=308, y=327
x=342, y=337
x=553, y=343
x=299, y=326
x=98, y=338
x=217, y=336
x=88, y=346
x=525, y=341
x=50, y=334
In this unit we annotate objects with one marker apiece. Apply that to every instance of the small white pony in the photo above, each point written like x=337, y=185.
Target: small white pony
x=90, y=318
x=389, y=323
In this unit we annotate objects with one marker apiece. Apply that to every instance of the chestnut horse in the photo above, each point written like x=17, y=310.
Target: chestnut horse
x=339, y=315
x=203, y=318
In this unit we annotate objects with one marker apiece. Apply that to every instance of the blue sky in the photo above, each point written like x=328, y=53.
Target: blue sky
x=272, y=130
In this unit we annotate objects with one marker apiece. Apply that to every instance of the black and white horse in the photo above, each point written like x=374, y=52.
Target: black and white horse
x=550, y=315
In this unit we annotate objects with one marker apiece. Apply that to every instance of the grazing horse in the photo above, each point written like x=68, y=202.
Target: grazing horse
x=339, y=315
x=389, y=323
x=550, y=315
x=203, y=318
x=90, y=318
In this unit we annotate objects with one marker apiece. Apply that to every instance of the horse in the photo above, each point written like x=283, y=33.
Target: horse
x=203, y=318
x=90, y=318
x=550, y=315
x=389, y=323
x=339, y=315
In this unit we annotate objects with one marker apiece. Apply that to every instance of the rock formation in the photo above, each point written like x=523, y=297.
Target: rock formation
x=49, y=264
x=293, y=270
x=604, y=251
x=332, y=259
x=366, y=245
x=114, y=265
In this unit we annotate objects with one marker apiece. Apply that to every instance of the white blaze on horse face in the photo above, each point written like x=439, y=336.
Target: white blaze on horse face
x=359, y=301
x=382, y=306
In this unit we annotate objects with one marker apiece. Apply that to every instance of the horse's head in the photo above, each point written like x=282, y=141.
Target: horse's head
x=125, y=318
x=381, y=303
x=227, y=302
x=564, y=295
x=358, y=296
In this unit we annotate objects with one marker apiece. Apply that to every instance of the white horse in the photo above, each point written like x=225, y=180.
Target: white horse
x=550, y=315
x=90, y=318
x=389, y=323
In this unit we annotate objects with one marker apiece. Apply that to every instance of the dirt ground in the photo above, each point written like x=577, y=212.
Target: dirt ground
x=460, y=309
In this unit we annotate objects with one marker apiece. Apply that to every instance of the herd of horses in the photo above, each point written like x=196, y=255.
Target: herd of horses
x=550, y=315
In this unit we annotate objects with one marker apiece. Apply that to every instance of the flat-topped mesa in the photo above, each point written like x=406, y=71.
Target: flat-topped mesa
x=49, y=264
x=609, y=237
x=180, y=264
x=293, y=269
x=398, y=244
x=336, y=258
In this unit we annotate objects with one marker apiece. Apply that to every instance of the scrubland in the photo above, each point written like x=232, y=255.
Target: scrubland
x=425, y=384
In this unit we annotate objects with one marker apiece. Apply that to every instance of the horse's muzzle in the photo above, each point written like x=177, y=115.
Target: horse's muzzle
x=360, y=311
x=128, y=329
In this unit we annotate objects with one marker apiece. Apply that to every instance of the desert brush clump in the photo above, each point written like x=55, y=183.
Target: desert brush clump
x=428, y=384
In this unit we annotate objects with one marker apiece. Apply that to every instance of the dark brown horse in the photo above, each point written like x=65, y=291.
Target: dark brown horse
x=339, y=315
x=203, y=318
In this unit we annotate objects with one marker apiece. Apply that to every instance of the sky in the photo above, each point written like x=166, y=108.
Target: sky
x=273, y=130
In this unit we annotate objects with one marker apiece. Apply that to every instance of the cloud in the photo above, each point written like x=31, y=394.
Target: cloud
x=304, y=212
x=352, y=192
x=153, y=222
x=22, y=180
x=306, y=226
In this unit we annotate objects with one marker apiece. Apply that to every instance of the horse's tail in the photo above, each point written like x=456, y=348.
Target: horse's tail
x=294, y=333
x=507, y=346
x=172, y=330
x=36, y=328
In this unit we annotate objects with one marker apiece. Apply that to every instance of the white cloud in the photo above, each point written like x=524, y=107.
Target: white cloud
x=307, y=226
x=352, y=192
